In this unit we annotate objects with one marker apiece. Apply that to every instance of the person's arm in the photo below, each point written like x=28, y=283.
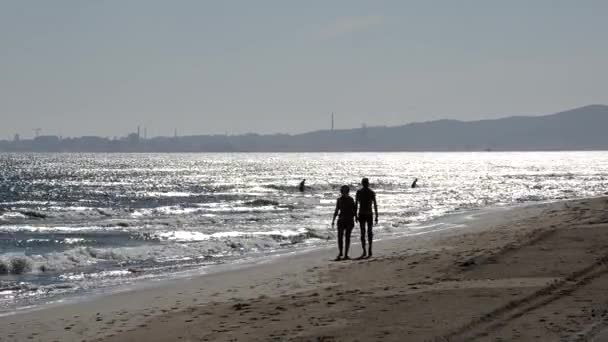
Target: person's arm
x=356, y=204
x=355, y=211
x=333, y=221
x=375, y=207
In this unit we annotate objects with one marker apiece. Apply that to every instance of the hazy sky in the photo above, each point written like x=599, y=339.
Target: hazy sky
x=102, y=67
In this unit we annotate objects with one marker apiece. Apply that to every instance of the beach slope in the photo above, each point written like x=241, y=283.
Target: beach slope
x=523, y=274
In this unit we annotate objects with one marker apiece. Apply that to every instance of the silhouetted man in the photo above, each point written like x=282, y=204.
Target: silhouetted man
x=364, y=200
x=301, y=187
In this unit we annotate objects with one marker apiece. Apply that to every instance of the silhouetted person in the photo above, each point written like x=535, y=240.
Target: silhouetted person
x=346, y=211
x=365, y=198
x=414, y=183
x=301, y=187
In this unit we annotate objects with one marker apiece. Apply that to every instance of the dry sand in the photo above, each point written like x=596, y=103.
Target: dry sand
x=535, y=273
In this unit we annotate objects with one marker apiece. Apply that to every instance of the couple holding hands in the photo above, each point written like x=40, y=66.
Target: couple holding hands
x=346, y=212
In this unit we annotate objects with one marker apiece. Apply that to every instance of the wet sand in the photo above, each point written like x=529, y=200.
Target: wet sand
x=534, y=273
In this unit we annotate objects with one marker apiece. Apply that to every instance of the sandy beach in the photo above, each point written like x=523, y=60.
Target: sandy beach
x=531, y=273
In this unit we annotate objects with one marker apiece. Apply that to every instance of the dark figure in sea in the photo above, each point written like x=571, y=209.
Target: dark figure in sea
x=346, y=213
x=364, y=200
x=301, y=187
x=414, y=183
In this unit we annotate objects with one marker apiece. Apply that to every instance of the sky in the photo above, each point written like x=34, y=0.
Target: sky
x=103, y=67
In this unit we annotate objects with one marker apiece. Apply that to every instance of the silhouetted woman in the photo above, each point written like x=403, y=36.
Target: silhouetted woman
x=346, y=211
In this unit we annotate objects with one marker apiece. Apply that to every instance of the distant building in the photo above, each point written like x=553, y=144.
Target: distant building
x=46, y=143
x=133, y=138
x=17, y=138
x=46, y=139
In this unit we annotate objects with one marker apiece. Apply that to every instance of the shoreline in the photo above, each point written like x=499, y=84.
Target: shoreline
x=433, y=263
x=450, y=221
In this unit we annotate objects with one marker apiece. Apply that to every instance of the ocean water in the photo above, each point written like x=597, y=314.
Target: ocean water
x=72, y=223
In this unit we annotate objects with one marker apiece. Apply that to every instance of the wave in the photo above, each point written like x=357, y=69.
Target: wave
x=33, y=214
x=530, y=198
x=94, y=275
x=307, y=188
x=13, y=290
x=59, y=229
x=335, y=187
x=262, y=203
x=566, y=175
x=17, y=265
x=279, y=235
x=284, y=188
x=191, y=244
x=11, y=215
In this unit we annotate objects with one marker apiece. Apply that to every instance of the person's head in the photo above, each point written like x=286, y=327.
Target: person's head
x=344, y=190
x=365, y=182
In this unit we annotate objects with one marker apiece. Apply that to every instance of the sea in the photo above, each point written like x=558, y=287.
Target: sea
x=76, y=224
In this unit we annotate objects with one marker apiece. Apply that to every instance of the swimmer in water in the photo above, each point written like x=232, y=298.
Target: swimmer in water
x=301, y=187
x=414, y=183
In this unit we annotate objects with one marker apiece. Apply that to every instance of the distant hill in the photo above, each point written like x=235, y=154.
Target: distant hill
x=583, y=128
x=577, y=129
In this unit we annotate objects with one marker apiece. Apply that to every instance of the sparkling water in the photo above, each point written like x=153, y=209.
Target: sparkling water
x=71, y=223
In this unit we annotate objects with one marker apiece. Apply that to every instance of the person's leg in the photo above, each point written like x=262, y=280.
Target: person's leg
x=340, y=239
x=370, y=235
x=362, y=225
x=349, y=230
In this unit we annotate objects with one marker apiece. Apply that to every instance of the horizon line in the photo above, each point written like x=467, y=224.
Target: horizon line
x=331, y=129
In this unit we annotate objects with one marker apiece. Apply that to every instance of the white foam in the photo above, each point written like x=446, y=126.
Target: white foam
x=67, y=241
x=165, y=211
x=248, y=209
x=207, y=209
x=184, y=235
x=30, y=203
x=70, y=241
x=97, y=275
x=46, y=229
x=167, y=194
x=58, y=208
x=12, y=215
x=38, y=240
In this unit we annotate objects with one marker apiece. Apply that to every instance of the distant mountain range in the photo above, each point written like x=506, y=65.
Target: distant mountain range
x=577, y=129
